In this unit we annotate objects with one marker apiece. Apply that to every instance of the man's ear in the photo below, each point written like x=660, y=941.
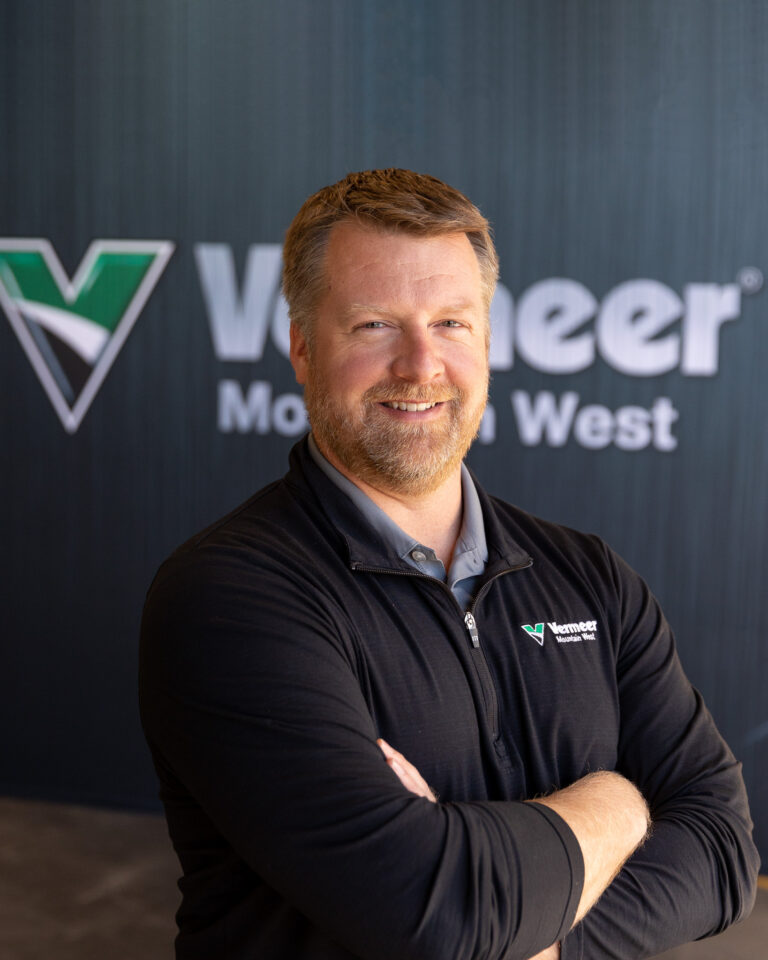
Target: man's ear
x=299, y=354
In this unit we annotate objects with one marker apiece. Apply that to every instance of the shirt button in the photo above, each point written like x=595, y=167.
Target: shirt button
x=418, y=555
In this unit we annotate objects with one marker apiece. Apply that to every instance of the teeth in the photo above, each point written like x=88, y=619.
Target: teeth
x=411, y=407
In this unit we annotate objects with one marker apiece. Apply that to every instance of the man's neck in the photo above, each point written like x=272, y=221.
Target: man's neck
x=433, y=518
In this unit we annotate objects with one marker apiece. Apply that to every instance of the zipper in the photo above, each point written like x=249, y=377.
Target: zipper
x=480, y=661
x=468, y=615
x=471, y=623
x=478, y=658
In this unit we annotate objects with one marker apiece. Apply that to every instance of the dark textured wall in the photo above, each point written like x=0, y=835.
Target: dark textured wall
x=607, y=141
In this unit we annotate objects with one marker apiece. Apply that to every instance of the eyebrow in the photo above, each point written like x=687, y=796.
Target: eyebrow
x=456, y=307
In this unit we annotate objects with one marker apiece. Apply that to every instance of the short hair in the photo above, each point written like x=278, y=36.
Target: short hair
x=391, y=199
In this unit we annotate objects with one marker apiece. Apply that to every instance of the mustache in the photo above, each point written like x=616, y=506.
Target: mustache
x=412, y=393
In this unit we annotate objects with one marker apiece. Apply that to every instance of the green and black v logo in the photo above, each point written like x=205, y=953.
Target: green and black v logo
x=536, y=632
x=72, y=331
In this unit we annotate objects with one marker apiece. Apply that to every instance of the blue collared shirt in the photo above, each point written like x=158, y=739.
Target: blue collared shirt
x=470, y=554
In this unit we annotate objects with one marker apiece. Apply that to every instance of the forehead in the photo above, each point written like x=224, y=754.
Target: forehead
x=396, y=264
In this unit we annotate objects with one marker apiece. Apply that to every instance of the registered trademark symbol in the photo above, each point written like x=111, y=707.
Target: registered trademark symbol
x=750, y=279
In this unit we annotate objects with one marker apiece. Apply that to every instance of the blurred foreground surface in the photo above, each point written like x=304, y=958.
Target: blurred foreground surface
x=78, y=883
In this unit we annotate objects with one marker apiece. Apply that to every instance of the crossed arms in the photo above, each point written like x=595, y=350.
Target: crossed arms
x=606, y=813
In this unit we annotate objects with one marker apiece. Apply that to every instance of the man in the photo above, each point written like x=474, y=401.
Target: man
x=394, y=717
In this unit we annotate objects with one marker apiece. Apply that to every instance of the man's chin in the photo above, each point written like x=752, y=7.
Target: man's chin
x=416, y=466
x=411, y=459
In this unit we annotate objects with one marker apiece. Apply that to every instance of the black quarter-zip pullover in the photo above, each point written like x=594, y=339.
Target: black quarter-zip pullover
x=281, y=642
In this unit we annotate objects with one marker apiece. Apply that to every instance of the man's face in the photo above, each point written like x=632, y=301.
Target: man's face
x=396, y=379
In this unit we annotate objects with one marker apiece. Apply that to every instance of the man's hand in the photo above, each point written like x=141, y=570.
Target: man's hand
x=551, y=953
x=409, y=776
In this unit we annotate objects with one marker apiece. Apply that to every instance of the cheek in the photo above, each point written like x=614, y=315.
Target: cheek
x=472, y=374
x=358, y=371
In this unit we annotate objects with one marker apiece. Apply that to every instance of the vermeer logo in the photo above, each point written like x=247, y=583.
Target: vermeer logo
x=536, y=632
x=72, y=331
x=564, y=632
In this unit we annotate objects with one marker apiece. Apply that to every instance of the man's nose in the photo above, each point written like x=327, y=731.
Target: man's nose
x=418, y=358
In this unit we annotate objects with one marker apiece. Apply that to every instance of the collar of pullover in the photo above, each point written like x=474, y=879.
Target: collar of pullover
x=364, y=545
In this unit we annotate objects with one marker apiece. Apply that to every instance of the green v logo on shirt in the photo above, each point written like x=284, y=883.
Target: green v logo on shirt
x=536, y=632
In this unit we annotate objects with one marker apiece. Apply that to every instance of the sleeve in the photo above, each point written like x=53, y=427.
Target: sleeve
x=697, y=872
x=250, y=697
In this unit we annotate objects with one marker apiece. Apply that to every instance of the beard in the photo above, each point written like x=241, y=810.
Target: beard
x=389, y=453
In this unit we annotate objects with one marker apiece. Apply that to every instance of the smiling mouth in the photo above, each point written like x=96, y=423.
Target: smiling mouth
x=411, y=407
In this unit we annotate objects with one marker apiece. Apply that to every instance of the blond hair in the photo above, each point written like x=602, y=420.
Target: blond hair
x=390, y=199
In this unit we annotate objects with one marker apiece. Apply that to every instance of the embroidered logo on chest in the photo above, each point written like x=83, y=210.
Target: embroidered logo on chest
x=577, y=632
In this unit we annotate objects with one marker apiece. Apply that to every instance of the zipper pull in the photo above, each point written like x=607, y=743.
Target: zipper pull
x=469, y=620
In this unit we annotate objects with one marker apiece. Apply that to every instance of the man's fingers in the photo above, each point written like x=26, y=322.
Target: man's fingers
x=551, y=953
x=389, y=752
x=408, y=775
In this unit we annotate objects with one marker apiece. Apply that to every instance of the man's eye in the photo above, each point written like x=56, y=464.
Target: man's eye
x=452, y=323
x=373, y=325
